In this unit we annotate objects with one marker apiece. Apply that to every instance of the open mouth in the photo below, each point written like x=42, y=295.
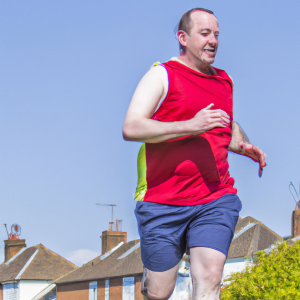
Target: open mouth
x=209, y=51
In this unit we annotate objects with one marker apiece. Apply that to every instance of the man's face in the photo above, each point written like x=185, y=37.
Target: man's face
x=203, y=42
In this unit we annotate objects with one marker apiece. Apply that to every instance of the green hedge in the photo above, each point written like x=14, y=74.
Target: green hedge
x=273, y=276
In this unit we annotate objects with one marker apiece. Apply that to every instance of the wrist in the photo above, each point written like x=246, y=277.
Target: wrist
x=184, y=127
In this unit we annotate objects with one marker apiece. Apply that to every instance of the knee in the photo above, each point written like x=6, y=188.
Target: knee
x=162, y=294
x=212, y=278
x=159, y=285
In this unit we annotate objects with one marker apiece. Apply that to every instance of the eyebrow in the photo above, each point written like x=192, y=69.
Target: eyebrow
x=207, y=29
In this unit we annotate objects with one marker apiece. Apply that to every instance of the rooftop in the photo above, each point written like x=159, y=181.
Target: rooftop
x=251, y=236
x=124, y=261
x=35, y=263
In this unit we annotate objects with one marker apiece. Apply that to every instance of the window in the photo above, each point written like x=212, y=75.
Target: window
x=10, y=291
x=107, y=289
x=93, y=291
x=128, y=288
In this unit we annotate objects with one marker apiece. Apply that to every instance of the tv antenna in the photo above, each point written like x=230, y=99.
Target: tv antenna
x=6, y=229
x=112, y=210
x=291, y=184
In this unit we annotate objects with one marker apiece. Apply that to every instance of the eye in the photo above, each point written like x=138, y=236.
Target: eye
x=204, y=34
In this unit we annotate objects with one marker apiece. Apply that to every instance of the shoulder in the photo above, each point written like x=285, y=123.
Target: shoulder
x=158, y=69
x=157, y=73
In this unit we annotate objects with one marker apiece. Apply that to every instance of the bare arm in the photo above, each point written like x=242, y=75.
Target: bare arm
x=138, y=125
x=240, y=144
x=238, y=135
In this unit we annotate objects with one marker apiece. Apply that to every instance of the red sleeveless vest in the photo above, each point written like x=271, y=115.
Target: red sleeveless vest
x=189, y=170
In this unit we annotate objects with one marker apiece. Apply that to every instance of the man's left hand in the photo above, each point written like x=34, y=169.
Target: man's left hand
x=253, y=152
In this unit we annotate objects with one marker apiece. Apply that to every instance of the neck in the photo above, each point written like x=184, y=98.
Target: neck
x=195, y=63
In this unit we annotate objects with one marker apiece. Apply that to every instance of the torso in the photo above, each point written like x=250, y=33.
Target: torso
x=194, y=169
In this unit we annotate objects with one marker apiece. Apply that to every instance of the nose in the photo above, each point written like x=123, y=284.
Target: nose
x=213, y=41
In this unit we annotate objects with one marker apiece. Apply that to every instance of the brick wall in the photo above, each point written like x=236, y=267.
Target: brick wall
x=100, y=289
x=115, y=289
x=73, y=291
x=138, y=295
x=296, y=223
x=111, y=239
x=12, y=247
x=80, y=290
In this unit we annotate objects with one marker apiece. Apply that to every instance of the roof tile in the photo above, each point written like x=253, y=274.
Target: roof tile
x=45, y=265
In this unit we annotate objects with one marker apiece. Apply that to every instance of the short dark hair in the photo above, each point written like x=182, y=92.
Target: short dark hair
x=185, y=21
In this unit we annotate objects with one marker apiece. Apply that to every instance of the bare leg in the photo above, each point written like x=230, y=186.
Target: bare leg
x=159, y=285
x=206, y=271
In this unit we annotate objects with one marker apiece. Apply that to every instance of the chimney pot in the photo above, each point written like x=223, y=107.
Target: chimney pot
x=111, y=226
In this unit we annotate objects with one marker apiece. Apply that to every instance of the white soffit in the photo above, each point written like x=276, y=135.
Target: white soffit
x=111, y=251
x=45, y=291
x=243, y=230
x=295, y=239
x=130, y=250
x=15, y=256
x=27, y=264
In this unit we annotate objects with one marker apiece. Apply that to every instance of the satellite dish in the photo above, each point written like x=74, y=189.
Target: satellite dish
x=16, y=230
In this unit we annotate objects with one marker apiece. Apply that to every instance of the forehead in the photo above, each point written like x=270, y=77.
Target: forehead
x=201, y=19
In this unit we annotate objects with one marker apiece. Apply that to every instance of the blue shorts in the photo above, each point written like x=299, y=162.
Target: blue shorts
x=166, y=230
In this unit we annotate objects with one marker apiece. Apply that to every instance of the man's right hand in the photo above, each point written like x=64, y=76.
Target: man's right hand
x=207, y=119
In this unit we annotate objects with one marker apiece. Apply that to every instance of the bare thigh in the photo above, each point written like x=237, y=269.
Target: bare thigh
x=206, y=270
x=160, y=285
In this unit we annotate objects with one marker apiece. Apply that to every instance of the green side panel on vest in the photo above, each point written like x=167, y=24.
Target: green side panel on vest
x=142, y=170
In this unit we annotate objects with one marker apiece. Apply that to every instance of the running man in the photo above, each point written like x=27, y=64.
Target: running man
x=182, y=112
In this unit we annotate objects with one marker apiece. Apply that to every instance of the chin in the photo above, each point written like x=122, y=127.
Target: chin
x=209, y=61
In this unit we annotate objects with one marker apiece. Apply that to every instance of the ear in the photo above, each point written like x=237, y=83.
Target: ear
x=181, y=35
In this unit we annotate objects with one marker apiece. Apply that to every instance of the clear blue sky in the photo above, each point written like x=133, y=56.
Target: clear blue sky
x=68, y=71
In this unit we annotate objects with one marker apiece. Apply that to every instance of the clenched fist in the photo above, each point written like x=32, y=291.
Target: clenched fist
x=207, y=119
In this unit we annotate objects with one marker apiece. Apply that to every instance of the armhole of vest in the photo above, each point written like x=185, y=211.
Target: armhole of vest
x=231, y=80
x=168, y=89
x=232, y=92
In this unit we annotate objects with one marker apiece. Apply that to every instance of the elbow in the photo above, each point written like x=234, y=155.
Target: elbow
x=128, y=133
x=134, y=130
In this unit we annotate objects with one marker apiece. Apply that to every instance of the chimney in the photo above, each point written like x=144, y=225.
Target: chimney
x=296, y=219
x=111, y=239
x=12, y=247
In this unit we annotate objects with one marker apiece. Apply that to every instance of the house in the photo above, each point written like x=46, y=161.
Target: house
x=114, y=275
x=250, y=236
x=117, y=273
x=27, y=271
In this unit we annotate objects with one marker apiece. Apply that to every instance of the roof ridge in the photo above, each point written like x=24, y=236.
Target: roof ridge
x=59, y=256
x=270, y=230
x=38, y=246
x=254, y=242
